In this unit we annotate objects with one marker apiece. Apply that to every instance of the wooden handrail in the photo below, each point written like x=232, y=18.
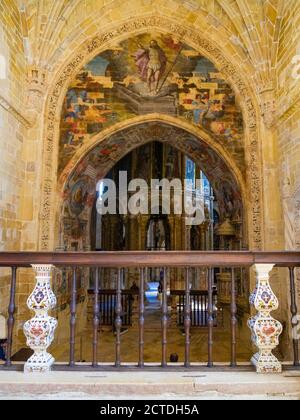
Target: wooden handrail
x=114, y=291
x=118, y=308
x=151, y=259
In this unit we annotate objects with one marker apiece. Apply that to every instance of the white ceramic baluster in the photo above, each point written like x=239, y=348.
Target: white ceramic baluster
x=39, y=330
x=265, y=329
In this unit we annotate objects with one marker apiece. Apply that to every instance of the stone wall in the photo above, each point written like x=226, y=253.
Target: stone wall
x=12, y=137
x=18, y=161
x=288, y=93
x=12, y=92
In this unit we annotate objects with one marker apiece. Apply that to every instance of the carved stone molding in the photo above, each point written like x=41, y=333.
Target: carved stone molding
x=35, y=92
x=97, y=44
x=13, y=111
x=265, y=329
x=293, y=107
x=39, y=330
x=268, y=107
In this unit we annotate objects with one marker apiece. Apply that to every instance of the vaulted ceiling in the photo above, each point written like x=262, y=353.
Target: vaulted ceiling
x=247, y=29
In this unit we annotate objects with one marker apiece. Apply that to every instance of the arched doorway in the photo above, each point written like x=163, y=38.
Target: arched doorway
x=111, y=112
x=79, y=190
x=140, y=232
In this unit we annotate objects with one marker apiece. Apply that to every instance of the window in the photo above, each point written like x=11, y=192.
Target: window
x=190, y=171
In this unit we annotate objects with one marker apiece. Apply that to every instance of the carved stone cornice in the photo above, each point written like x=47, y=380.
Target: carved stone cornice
x=13, y=111
x=36, y=91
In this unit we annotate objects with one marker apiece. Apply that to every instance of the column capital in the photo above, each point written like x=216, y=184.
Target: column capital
x=263, y=270
x=36, y=91
x=42, y=270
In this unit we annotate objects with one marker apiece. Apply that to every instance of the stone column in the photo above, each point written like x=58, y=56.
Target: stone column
x=39, y=330
x=143, y=222
x=265, y=329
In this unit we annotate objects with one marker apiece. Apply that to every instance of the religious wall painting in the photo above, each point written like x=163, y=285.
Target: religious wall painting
x=143, y=162
x=149, y=73
x=172, y=163
x=80, y=190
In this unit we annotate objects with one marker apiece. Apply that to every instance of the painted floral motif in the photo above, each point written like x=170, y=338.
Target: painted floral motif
x=266, y=297
x=39, y=297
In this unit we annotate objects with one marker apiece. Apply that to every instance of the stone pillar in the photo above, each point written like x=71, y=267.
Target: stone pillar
x=143, y=222
x=39, y=330
x=265, y=329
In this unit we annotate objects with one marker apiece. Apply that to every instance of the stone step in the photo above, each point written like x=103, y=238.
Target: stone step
x=192, y=384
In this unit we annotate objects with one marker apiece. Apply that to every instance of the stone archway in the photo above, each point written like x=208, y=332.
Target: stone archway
x=79, y=185
x=297, y=234
x=297, y=219
x=59, y=86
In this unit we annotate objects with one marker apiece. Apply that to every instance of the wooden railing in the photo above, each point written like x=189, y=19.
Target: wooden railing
x=107, y=305
x=40, y=330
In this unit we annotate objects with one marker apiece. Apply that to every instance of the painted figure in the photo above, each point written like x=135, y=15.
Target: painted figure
x=200, y=107
x=151, y=63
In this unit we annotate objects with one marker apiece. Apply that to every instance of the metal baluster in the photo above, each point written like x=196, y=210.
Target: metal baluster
x=125, y=306
x=73, y=318
x=204, y=306
x=126, y=303
x=11, y=317
x=199, y=311
x=205, y=297
x=187, y=319
x=109, y=304
x=103, y=309
x=107, y=309
x=141, y=318
x=210, y=320
x=111, y=300
x=202, y=313
x=96, y=320
x=192, y=299
x=294, y=312
x=180, y=310
x=183, y=308
x=118, y=321
x=164, y=320
x=233, y=319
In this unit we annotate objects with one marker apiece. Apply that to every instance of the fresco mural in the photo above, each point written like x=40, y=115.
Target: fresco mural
x=80, y=189
x=145, y=74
